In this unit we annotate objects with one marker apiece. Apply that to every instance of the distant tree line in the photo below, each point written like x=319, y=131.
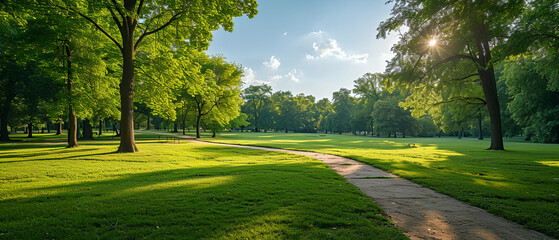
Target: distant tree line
x=374, y=107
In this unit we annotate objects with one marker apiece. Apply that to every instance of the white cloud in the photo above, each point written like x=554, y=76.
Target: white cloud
x=330, y=48
x=249, y=77
x=285, y=33
x=293, y=75
x=274, y=63
x=276, y=77
x=318, y=34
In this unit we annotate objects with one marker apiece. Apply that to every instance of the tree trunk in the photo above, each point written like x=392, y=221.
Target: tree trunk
x=198, y=125
x=115, y=129
x=72, y=119
x=59, y=128
x=389, y=134
x=127, y=140
x=183, y=127
x=87, y=130
x=100, y=127
x=30, y=130
x=4, y=135
x=480, y=126
x=42, y=130
x=48, y=127
x=489, y=85
x=213, y=134
x=175, y=127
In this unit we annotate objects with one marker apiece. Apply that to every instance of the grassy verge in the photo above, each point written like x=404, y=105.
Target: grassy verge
x=169, y=191
x=520, y=184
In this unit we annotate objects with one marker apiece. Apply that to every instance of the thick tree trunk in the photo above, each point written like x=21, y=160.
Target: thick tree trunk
x=42, y=130
x=490, y=92
x=30, y=130
x=73, y=128
x=127, y=140
x=198, y=118
x=175, y=127
x=213, y=134
x=72, y=119
x=87, y=130
x=489, y=85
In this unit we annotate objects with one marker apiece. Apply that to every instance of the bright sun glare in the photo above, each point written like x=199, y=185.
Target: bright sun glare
x=433, y=42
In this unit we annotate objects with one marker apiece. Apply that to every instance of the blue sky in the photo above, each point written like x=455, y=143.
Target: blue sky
x=308, y=46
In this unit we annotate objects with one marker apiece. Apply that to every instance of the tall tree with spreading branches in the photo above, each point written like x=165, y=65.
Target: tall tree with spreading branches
x=442, y=36
x=130, y=23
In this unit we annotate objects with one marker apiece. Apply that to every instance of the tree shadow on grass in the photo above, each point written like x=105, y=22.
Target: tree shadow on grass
x=226, y=202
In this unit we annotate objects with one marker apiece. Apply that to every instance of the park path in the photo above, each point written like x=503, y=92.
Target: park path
x=420, y=212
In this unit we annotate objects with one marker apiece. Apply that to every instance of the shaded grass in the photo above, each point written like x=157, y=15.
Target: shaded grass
x=187, y=191
x=520, y=184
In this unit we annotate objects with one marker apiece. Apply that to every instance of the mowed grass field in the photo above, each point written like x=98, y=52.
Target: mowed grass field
x=176, y=191
x=520, y=184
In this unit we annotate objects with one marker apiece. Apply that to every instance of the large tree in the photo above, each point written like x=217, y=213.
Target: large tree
x=367, y=88
x=342, y=106
x=535, y=101
x=256, y=98
x=461, y=34
x=128, y=23
x=214, y=90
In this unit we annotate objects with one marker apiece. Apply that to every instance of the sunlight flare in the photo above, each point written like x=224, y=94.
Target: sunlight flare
x=433, y=42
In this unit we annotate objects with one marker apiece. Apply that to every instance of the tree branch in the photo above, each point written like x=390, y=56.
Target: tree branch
x=145, y=34
x=150, y=77
x=467, y=100
x=465, y=77
x=118, y=9
x=453, y=58
x=118, y=24
x=139, y=8
x=91, y=21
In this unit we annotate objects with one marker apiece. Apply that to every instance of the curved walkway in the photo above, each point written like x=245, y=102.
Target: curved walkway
x=420, y=212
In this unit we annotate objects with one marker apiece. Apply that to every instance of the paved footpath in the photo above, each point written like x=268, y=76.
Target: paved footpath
x=420, y=212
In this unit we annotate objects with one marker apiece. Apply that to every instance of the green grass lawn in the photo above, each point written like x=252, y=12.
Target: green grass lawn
x=520, y=184
x=170, y=191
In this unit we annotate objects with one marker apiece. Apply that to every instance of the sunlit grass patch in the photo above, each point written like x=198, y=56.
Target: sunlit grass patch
x=520, y=183
x=170, y=191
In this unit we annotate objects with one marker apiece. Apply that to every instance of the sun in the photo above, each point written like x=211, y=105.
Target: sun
x=433, y=42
